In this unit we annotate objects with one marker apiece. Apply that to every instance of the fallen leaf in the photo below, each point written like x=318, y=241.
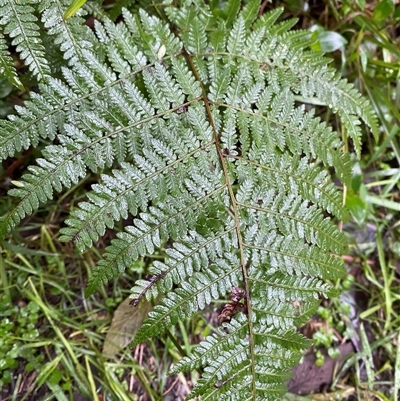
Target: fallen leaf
x=125, y=323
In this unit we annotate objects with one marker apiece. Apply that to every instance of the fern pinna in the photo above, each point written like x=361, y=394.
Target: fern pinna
x=196, y=122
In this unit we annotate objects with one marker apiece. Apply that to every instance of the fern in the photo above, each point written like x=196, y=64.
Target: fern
x=72, y=37
x=7, y=68
x=194, y=126
x=20, y=24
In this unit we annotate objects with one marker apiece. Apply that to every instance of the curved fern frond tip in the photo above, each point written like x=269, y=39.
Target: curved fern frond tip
x=196, y=134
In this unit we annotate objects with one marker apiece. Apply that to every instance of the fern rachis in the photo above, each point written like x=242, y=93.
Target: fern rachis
x=194, y=126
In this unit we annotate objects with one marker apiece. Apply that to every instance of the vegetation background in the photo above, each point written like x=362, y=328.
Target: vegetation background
x=55, y=344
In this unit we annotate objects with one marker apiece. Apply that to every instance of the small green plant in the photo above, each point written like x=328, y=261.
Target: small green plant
x=193, y=120
x=17, y=329
x=327, y=334
x=336, y=325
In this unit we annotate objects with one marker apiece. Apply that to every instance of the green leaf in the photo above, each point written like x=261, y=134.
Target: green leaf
x=383, y=10
x=230, y=11
x=331, y=41
x=361, y=4
x=326, y=41
x=73, y=8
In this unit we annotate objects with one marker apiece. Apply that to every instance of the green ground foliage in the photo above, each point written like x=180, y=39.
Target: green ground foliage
x=57, y=343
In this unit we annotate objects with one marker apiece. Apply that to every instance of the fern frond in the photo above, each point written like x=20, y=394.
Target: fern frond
x=290, y=214
x=20, y=24
x=172, y=218
x=249, y=12
x=337, y=94
x=7, y=68
x=196, y=133
x=37, y=187
x=71, y=35
x=132, y=187
x=227, y=349
x=230, y=12
x=128, y=191
x=196, y=292
x=122, y=51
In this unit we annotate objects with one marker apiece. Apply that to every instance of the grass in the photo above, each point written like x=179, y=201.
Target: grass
x=65, y=352
x=52, y=338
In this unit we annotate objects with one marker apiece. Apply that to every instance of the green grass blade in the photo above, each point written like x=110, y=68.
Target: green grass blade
x=369, y=363
x=73, y=8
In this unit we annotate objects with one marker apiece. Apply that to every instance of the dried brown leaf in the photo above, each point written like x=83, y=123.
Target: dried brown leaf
x=125, y=323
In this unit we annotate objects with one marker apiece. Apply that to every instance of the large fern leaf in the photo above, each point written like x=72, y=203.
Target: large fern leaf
x=194, y=126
